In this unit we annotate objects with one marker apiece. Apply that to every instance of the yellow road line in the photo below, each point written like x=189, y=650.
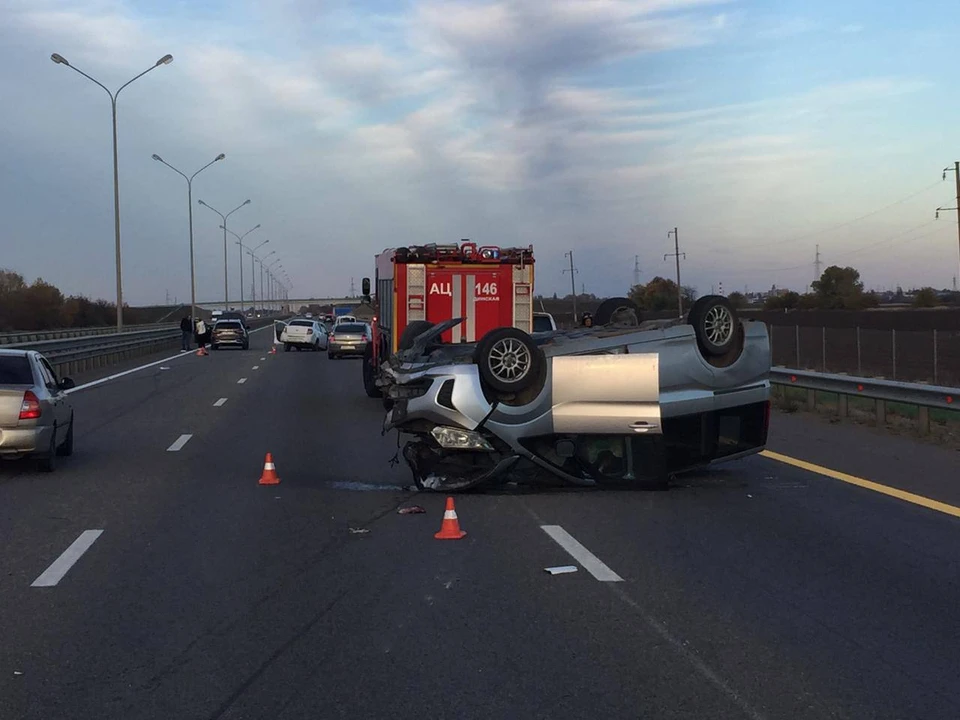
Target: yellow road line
x=868, y=484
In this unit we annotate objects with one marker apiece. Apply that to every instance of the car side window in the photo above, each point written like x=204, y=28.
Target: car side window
x=47, y=373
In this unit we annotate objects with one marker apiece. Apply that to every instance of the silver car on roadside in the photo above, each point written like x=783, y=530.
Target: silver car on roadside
x=36, y=415
x=349, y=338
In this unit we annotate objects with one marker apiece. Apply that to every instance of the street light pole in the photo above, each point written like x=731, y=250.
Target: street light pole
x=165, y=60
x=226, y=291
x=193, y=281
x=262, y=298
x=273, y=280
x=242, y=248
x=253, y=276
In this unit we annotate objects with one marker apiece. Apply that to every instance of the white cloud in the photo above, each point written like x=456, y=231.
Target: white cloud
x=351, y=132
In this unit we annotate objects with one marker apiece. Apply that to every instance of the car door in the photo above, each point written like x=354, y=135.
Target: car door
x=58, y=399
x=321, y=331
x=615, y=394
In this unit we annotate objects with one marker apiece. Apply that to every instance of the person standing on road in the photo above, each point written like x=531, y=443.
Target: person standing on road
x=186, y=330
x=201, y=335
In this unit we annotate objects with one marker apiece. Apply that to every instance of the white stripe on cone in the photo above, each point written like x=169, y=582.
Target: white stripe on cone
x=269, y=466
x=449, y=514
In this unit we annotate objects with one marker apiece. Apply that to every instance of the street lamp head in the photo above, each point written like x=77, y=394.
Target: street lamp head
x=165, y=60
x=157, y=157
x=202, y=202
x=59, y=59
x=246, y=202
x=221, y=156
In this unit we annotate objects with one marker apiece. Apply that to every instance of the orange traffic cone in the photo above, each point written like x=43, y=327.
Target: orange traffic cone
x=269, y=476
x=273, y=350
x=450, y=528
x=199, y=352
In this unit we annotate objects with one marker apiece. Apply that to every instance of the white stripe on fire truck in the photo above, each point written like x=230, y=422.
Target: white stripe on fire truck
x=471, y=308
x=457, y=308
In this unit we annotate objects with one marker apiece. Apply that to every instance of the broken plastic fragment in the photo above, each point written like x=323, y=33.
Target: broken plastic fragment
x=561, y=570
x=412, y=510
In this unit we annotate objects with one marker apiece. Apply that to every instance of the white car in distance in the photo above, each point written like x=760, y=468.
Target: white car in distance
x=304, y=334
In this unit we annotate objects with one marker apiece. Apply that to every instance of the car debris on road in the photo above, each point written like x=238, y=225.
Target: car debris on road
x=411, y=510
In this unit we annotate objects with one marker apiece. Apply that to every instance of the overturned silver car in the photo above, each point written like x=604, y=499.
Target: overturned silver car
x=623, y=403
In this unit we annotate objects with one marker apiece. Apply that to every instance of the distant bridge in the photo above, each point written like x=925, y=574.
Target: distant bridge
x=286, y=304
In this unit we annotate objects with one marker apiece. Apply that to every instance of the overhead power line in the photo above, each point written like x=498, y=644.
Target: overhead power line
x=831, y=228
x=844, y=253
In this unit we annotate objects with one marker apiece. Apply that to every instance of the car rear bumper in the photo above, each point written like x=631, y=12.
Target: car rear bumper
x=20, y=441
x=358, y=348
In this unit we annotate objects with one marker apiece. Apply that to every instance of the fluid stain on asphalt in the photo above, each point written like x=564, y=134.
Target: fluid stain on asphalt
x=366, y=487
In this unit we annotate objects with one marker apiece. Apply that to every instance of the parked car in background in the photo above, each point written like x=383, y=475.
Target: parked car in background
x=345, y=319
x=304, y=334
x=543, y=322
x=36, y=416
x=229, y=333
x=349, y=338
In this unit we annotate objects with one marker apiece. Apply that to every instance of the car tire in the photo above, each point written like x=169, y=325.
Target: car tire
x=716, y=325
x=214, y=347
x=410, y=333
x=617, y=310
x=48, y=461
x=66, y=448
x=509, y=360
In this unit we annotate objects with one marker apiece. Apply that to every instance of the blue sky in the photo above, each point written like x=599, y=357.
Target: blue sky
x=758, y=129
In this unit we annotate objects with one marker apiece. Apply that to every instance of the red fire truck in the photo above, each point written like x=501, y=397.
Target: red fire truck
x=418, y=286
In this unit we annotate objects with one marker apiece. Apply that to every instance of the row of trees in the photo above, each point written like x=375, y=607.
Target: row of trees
x=41, y=306
x=840, y=288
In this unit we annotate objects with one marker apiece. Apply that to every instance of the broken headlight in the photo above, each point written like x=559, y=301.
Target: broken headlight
x=459, y=439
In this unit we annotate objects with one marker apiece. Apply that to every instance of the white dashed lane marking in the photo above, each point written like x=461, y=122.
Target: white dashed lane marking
x=241, y=381
x=54, y=574
x=220, y=402
x=591, y=563
x=179, y=443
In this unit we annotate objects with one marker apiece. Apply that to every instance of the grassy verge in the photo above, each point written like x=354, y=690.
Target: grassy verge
x=901, y=417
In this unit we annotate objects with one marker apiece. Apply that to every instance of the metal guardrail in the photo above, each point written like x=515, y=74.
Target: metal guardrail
x=11, y=338
x=77, y=354
x=881, y=392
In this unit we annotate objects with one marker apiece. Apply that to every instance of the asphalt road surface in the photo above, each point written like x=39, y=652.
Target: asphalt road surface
x=756, y=590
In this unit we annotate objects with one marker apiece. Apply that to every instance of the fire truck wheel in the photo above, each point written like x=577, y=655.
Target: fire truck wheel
x=410, y=333
x=509, y=360
x=716, y=325
x=617, y=310
x=369, y=384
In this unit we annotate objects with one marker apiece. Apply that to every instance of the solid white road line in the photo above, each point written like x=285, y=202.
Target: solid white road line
x=262, y=359
x=591, y=563
x=54, y=574
x=115, y=376
x=220, y=402
x=179, y=443
x=241, y=381
x=256, y=367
